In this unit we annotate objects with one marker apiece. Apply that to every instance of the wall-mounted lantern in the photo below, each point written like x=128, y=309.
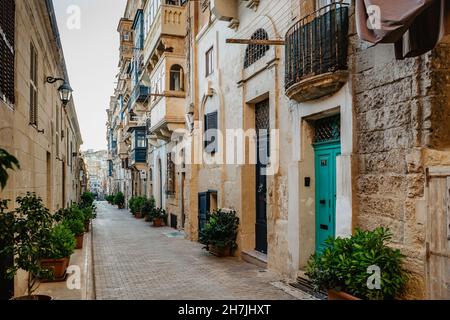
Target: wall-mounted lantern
x=65, y=91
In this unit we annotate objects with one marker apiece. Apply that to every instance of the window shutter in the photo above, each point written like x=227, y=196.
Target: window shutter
x=211, y=126
x=7, y=34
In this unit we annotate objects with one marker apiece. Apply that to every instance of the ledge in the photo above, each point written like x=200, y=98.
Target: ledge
x=318, y=86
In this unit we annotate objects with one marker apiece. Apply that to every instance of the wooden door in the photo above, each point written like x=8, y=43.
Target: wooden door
x=438, y=234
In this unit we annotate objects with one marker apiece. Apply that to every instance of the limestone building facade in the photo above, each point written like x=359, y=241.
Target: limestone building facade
x=337, y=133
x=35, y=127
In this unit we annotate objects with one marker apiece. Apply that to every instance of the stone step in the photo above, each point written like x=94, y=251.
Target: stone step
x=255, y=257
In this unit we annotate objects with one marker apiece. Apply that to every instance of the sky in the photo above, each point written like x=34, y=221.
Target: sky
x=90, y=41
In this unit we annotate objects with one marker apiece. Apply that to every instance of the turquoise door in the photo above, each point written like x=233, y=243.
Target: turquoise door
x=325, y=167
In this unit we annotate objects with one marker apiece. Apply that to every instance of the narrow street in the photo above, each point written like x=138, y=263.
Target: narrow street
x=133, y=260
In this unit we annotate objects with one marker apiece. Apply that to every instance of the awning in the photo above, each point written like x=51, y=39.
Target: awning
x=414, y=26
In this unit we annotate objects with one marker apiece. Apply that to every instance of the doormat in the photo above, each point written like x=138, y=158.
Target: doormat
x=175, y=234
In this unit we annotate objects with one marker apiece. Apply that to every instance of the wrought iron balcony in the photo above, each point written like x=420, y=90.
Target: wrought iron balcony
x=316, y=53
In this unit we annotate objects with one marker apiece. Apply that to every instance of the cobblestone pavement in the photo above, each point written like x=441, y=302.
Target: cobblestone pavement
x=134, y=261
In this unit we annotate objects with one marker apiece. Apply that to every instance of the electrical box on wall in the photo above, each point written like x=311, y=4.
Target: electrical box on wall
x=307, y=182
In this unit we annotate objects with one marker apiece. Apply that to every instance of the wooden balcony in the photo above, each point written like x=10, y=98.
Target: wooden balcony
x=316, y=53
x=171, y=21
x=167, y=115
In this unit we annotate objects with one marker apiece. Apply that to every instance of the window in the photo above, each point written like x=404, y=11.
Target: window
x=170, y=175
x=139, y=140
x=7, y=24
x=255, y=52
x=176, y=78
x=209, y=61
x=211, y=126
x=126, y=36
x=33, y=86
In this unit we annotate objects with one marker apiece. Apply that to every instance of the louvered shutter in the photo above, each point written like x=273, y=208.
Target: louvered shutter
x=211, y=126
x=7, y=27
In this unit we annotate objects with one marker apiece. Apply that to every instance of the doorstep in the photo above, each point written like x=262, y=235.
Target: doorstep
x=255, y=257
x=83, y=259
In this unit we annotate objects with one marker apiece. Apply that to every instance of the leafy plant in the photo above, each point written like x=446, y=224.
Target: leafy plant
x=88, y=213
x=221, y=230
x=76, y=226
x=136, y=204
x=87, y=199
x=343, y=265
x=148, y=207
x=60, y=244
x=7, y=161
x=119, y=199
x=110, y=198
x=158, y=213
x=24, y=233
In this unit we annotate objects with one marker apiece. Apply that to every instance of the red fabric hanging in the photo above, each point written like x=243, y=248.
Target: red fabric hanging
x=414, y=26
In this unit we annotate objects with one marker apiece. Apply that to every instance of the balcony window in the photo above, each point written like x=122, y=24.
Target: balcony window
x=139, y=140
x=176, y=78
x=255, y=52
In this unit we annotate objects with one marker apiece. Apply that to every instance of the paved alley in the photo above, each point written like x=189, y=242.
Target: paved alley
x=133, y=260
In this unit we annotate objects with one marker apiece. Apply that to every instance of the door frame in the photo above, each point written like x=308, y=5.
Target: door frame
x=318, y=147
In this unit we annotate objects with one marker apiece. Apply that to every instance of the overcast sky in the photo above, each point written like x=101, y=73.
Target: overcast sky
x=90, y=40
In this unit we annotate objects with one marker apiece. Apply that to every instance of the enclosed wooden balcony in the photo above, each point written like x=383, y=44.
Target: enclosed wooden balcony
x=167, y=115
x=170, y=20
x=316, y=53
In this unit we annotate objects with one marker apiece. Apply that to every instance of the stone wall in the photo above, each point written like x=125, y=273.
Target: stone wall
x=400, y=108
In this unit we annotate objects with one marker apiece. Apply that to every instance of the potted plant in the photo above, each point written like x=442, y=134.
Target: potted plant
x=76, y=226
x=119, y=200
x=343, y=267
x=158, y=216
x=220, y=232
x=138, y=205
x=88, y=216
x=23, y=233
x=57, y=251
x=87, y=199
x=147, y=209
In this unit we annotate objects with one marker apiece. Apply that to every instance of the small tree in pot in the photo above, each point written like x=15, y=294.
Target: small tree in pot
x=148, y=208
x=343, y=267
x=158, y=215
x=57, y=251
x=119, y=200
x=25, y=231
x=220, y=232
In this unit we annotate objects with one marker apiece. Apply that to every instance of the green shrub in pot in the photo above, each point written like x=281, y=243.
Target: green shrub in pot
x=24, y=233
x=76, y=226
x=344, y=263
x=119, y=200
x=221, y=230
x=148, y=208
x=60, y=244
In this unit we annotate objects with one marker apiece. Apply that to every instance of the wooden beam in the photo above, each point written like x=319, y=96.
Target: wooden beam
x=257, y=42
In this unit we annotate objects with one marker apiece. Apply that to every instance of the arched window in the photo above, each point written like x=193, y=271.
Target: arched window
x=255, y=52
x=176, y=78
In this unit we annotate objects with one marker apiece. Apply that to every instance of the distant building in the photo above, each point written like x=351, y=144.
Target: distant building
x=97, y=171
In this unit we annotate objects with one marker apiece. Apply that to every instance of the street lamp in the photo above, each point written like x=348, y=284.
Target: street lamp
x=65, y=91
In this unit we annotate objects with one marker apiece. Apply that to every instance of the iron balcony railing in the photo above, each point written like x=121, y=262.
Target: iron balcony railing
x=317, y=43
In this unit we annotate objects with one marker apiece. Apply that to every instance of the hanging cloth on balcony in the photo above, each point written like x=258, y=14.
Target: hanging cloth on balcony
x=414, y=26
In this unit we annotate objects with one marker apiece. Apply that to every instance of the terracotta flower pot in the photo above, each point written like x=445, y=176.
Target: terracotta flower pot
x=340, y=295
x=157, y=222
x=80, y=240
x=220, y=252
x=37, y=297
x=138, y=215
x=57, y=266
